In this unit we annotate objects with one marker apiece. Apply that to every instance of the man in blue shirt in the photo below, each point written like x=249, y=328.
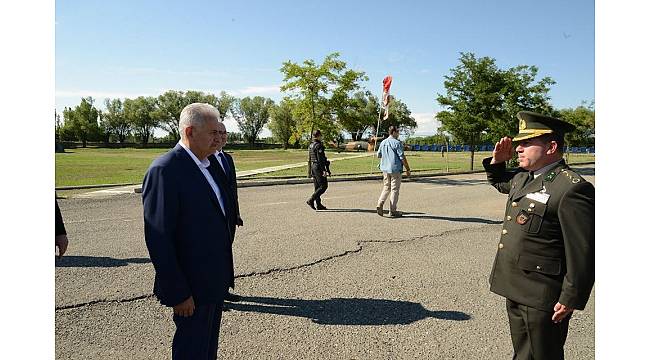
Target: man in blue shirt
x=393, y=161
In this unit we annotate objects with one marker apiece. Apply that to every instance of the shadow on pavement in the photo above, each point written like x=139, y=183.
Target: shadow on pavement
x=345, y=311
x=350, y=210
x=443, y=181
x=421, y=215
x=407, y=215
x=97, y=261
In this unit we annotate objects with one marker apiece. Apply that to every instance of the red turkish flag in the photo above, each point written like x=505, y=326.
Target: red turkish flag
x=385, y=98
x=388, y=80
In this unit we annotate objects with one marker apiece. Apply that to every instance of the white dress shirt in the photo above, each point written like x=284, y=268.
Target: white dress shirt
x=216, y=154
x=203, y=166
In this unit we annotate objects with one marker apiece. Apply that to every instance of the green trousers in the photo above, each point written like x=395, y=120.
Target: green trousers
x=534, y=335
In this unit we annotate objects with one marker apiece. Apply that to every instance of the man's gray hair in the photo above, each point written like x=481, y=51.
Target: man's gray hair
x=196, y=114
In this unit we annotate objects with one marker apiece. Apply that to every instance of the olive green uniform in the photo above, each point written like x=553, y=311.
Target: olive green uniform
x=545, y=253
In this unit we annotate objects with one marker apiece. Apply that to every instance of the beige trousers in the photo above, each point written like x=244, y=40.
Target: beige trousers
x=392, y=182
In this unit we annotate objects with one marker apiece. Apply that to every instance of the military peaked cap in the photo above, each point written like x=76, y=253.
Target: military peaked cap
x=533, y=125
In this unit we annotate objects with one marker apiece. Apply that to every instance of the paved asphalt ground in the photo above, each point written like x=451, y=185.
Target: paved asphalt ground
x=337, y=284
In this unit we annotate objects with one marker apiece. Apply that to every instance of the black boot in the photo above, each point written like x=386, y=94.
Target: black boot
x=320, y=206
x=310, y=202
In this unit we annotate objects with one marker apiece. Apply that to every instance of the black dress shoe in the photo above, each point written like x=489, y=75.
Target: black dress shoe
x=320, y=207
x=311, y=204
x=232, y=297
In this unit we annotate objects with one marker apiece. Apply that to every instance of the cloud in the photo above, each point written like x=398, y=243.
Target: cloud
x=427, y=123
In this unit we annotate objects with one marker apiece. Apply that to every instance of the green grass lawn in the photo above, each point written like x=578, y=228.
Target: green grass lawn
x=92, y=166
x=418, y=160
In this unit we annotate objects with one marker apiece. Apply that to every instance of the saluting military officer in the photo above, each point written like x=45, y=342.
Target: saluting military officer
x=319, y=169
x=544, y=265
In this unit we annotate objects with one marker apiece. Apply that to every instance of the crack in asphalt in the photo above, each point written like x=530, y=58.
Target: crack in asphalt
x=102, y=301
x=292, y=268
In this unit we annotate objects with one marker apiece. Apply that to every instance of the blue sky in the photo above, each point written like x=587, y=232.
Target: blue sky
x=130, y=48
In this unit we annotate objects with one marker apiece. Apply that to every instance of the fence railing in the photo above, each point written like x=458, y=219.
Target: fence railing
x=461, y=148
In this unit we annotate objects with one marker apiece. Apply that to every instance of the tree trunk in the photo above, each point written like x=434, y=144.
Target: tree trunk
x=471, y=158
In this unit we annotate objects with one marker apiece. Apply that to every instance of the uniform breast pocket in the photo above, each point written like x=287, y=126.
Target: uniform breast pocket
x=531, y=216
x=541, y=264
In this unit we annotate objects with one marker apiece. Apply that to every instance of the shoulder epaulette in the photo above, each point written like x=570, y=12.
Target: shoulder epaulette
x=571, y=175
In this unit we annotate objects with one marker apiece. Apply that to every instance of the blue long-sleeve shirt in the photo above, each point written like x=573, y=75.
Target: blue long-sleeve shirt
x=391, y=153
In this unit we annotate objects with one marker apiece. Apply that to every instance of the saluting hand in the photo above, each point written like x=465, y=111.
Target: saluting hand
x=561, y=312
x=186, y=308
x=502, y=151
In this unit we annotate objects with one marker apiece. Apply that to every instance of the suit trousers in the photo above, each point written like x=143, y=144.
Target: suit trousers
x=197, y=336
x=534, y=335
x=392, y=183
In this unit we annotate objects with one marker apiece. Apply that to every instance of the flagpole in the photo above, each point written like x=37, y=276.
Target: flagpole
x=372, y=163
x=385, y=88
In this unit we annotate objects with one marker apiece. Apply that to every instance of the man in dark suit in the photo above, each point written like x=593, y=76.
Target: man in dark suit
x=224, y=166
x=544, y=265
x=319, y=169
x=60, y=235
x=187, y=233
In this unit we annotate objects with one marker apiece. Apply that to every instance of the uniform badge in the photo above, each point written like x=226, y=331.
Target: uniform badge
x=522, y=218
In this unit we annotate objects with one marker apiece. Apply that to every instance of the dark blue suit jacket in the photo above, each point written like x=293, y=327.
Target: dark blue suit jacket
x=187, y=235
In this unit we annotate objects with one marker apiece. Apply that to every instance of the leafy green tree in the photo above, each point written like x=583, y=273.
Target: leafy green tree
x=82, y=121
x=398, y=115
x=171, y=103
x=482, y=100
x=521, y=93
x=251, y=114
x=438, y=139
x=143, y=115
x=57, y=126
x=224, y=103
x=283, y=124
x=235, y=137
x=104, y=133
x=115, y=120
x=360, y=115
x=583, y=118
x=319, y=91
